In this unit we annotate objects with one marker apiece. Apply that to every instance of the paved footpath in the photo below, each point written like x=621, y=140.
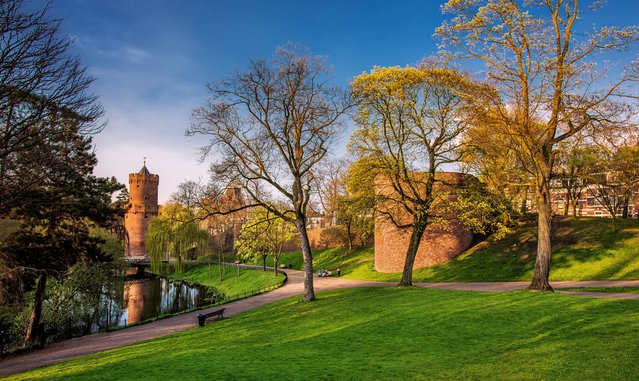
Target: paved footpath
x=98, y=342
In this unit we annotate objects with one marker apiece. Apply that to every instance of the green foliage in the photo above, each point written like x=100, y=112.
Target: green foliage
x=176, y=234
x=76, y=301
x=264, y=233
x=363, y=334
x=480, y=210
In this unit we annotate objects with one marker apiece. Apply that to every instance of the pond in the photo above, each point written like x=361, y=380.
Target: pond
x=150, y=296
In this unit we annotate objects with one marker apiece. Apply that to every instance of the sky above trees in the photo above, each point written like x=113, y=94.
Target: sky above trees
x=153, y=58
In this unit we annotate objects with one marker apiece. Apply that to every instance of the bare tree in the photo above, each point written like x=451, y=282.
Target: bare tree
x=330, y=187
x=269, y=126
x=549, y=86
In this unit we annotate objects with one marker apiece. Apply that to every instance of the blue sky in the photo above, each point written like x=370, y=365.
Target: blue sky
x=152, y=60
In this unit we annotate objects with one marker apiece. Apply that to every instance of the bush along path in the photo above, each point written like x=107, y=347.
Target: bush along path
x=109, y=340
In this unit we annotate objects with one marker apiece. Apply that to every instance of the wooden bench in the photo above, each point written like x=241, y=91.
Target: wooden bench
x=201, y=318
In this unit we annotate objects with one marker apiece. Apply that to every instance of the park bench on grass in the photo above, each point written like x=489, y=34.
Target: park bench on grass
x=201, y=318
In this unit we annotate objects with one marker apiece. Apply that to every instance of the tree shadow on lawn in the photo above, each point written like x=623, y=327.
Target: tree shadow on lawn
x=472, y=335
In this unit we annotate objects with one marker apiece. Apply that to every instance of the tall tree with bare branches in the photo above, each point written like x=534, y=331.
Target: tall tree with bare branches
x=268, y=127
x=549, y=84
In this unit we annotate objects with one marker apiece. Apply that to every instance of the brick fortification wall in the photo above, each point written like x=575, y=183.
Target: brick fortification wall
x=143, y=200
x=437, y=245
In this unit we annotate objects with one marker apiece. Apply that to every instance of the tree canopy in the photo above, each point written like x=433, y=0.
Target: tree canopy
x=268, y=127
x=549, y=85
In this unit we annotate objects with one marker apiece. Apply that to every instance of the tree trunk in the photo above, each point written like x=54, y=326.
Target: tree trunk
x=411, y=253
x=309, y=292
x=275, y=260
x=348, y=235
x=219, y=262
x=575, y=204
x=544, y=244
x=523, y=208
x=568, y=203
x=626, y=204
x=264, y=262
x=33, y=331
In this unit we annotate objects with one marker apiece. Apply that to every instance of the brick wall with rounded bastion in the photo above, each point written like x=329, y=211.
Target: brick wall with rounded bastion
x=437, y=245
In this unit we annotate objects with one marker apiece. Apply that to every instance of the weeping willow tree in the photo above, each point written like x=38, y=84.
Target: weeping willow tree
x=175, y=235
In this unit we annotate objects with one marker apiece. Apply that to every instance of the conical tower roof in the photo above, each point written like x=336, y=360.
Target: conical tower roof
x=144, y=170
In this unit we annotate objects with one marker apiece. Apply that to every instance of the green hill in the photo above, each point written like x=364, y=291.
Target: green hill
x=583, y=249
x=235, y=282
x=389, y=334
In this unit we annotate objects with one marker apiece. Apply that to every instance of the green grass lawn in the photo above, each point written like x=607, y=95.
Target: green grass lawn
x=584, y=249
x=616, y=290
x=328, y=259
x=389, y=334
x=232, y=283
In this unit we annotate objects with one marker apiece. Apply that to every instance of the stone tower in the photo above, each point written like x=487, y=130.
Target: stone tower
x=143, y=205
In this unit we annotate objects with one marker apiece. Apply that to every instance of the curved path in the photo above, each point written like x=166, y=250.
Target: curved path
x=98, y=342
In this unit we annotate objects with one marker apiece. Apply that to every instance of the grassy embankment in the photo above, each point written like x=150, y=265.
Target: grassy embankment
x=232, y=283
x=389, y=333
x=614, y=290
x=584, y=249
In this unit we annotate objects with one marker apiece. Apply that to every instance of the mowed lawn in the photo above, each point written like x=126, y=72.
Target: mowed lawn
x=233, y=282
x=389, y=334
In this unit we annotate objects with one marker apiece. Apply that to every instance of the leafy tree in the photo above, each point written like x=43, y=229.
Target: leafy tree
x=264, y=233
x=44, y=102
x=497, y=165
x=357, y=206
x=343, y=200
x=47, y=115
x=269, y=127
x=54, y=234
x=548, y=84
x=614, y=175
x=410, y=123
x=572, y=163
x=175, y=234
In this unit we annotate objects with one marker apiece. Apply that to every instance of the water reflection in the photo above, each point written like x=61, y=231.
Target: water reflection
x=151, y=296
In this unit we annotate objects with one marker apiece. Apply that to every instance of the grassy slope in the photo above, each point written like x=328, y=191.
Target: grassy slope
x=584, y=249
x=390, y=333
x=619, y=290
x=232, y=284
x=329, y=259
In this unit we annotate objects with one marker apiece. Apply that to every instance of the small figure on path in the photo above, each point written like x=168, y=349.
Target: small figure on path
x=338, y=272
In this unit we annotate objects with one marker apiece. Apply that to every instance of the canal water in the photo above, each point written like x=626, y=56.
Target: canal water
x=150, y=296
